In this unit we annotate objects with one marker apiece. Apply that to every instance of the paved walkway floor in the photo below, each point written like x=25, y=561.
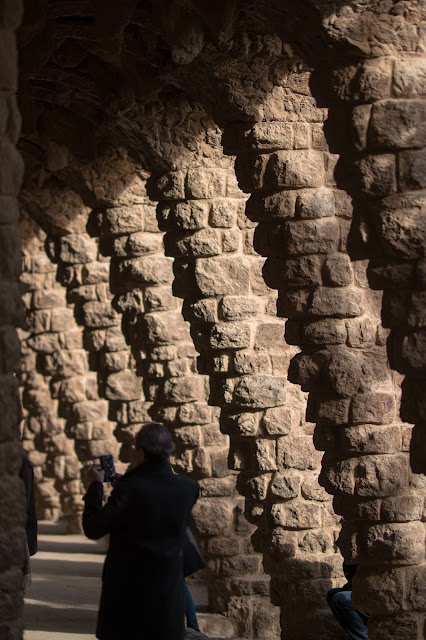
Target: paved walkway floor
x=62, y=601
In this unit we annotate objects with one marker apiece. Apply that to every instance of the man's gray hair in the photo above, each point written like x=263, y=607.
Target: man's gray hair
x=155, y=441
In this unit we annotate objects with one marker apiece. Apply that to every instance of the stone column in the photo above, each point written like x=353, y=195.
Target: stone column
x=333, y=316
x=376, y=123
x=12, y=496
x=174, y=392
x=234, y=326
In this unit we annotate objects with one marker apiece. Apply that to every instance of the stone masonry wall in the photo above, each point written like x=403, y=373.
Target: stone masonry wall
x=233, y=322
x=66, y=421
x=143, y=77
x=84, y=364
x=380, y=103
x=354, y=398
x=175, y=393
x=12, y=496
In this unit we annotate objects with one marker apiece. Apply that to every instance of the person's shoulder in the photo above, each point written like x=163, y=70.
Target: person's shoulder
x=188, y=483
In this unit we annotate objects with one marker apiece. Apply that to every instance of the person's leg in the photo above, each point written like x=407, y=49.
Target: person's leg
x=353, y=622
x=329, y=597
x=190, y=613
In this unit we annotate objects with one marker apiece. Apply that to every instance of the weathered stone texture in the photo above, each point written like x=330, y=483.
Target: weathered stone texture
x=106, y=347
x=12, y=501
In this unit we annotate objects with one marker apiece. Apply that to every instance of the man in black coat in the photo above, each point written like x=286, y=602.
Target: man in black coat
x=146, y=516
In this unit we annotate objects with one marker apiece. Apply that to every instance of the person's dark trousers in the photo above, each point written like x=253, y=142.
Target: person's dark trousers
x=352, y=621
x=190, y=614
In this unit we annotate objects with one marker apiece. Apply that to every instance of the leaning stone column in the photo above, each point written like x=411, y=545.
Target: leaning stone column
x=12, y=497
x=234, y=326
x=303, y=227
x=377, y=124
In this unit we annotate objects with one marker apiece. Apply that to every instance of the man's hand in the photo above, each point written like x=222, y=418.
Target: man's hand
x=115, y=479
x=95, y=475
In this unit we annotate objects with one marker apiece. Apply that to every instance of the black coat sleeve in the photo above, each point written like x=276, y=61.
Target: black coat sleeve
x=99, y=520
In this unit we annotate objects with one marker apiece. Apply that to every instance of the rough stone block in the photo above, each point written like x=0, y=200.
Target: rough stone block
x=182, y=390
x=286, y=486
x=171, y=186
x=223, y=213
x=241, y=565
x=294, y=169
x=267, y=136
x=238, y=308
x=367, y=82
x=402, y=233
x=230, y=336
x=361, y=332
x=223, y=546
x=64, y=363
x=306, y=236
x=194, y=414
x=372, y=439
x=162, y=327
x=146, y=270
x=315, y=203
x=373, y=408
x=49, y=299
x=332, y=411
x=243, y=424
x=302, y=135
x=412, y=170
x=213, y=517
x=297, y=452
x=222, y=276
x=61, y=319
x=280, y=420
x=137, y=244
x=380, y=475
x=376, y=175
x=397, y=124
x=409, y=77
x=114, y=339
x=265, y=454
x=297, y=515
x=327, y=331
x=99, y=314
x=203, y=243
x=259, y=391
x=76, y=249
x=304, y=271
x=231, y=240
x=342, y=302
x=417, y=589
x=338, y=270
x=123, y=385
x=402, y=508
x=278, y=206
x=123, y=220
x=90, y=411
x=269, y=336
x=159, y=299
x=401, y=543
x=206, y=183
x=190, y=215
x=44, y=343
x=401, y=626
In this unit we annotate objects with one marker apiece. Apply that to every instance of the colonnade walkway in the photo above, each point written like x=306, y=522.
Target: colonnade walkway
x=62, y=601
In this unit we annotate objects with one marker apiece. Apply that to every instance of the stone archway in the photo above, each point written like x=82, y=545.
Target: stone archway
x=236, y=67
